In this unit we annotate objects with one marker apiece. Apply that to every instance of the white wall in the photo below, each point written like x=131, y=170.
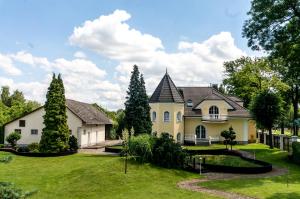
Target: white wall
x=91, y=135
x=35, y=121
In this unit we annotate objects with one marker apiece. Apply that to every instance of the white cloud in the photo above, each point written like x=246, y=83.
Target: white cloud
x=80, y=55
x=29, y=59
x=6, y=64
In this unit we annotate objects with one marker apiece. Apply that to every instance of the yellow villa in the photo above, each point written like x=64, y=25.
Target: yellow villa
x=197, y=115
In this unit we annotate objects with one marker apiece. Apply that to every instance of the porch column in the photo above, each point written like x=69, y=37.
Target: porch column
x=281, y=141
x=265, y=138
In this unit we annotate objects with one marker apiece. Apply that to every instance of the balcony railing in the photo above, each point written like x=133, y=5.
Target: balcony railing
x=214, y=117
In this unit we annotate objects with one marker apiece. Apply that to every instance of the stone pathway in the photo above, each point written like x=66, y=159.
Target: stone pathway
x=100, y=148
x=194, y=185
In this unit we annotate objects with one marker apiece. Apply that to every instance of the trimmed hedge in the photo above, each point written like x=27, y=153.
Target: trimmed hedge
x=296, y=152
x=32, y=154
x=263, y=168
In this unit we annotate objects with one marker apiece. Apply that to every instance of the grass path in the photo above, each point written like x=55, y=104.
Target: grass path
x=195, y=184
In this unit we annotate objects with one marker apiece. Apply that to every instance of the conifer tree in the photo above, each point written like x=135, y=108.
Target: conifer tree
x=137, y=110
x=55, y=134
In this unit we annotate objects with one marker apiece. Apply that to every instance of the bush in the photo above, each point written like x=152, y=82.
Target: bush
x=1, y=145
x=73, y=143
x=167, y=153
x=296, y=152
x=6, y=159
x=141, y=147
x=9, y=191
x=13, y=138
x=34, y=147
x=23, y=149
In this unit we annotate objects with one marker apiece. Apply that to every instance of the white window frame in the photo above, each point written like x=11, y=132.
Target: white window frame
x=166, y=119
x=179, y=116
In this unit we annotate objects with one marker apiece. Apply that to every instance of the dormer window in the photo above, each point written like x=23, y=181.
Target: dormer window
x=189, y=103
x=166, y=116
x=214, y=112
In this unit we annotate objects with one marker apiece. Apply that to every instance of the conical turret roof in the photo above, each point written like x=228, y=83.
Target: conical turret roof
x=166, y=91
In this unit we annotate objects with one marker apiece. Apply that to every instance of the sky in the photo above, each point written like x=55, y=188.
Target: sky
x=95, y=43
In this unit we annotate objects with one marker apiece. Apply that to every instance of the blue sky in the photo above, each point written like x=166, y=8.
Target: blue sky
x=192, y=38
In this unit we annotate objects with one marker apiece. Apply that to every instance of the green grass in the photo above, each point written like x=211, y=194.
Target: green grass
x=227, y=160
x=267, y=188
x=116, y=147
x=213, y=146
x=83, y=176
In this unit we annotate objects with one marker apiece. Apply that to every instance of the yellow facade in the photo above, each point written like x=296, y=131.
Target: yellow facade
x=244, y=127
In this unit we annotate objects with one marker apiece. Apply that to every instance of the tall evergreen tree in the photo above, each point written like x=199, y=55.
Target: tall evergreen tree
x=137, y=115
x=55, y=135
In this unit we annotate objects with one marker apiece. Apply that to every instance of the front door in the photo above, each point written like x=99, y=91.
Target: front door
x=200, y=132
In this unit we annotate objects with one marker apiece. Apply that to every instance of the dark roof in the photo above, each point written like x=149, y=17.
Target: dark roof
x=234, y=98
x=88, y=113
x=166, y=91
x=199, y=94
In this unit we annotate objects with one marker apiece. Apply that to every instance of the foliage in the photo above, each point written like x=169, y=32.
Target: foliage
x=167, y=153
x=274, y=26
x=23, y=149
x=229, y=136
x=125, y=149
x=296, y=152
x=266, y=109
x=6, y=159
x=10, y=191
x=245, y=77
x=120, y=122
x=73, y=143
x=137, y=109
x=13, y=138
x=140, y=147
x=55, y=134
x=34, y=147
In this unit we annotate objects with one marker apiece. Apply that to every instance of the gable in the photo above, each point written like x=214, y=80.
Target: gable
x=219, y=103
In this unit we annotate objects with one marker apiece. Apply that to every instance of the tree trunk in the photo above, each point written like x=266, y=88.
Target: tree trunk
x=295, y=100
x=270, y=138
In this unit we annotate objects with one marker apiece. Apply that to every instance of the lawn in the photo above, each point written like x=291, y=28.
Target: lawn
x=93, y=176
x=268, y=188
x=227, y=160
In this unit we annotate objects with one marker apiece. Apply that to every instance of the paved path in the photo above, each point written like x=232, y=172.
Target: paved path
x=100, y=148
x=194, y=185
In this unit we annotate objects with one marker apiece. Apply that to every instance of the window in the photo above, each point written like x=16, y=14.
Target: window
x=178, y=137
x=214, y=112
x=200, y=132
x=153, y=116
x=34, y=131
x=166, y=116
x=18, y=131
x=179, y=117
x=84, y=132
x=21, y=123
x=189, y=103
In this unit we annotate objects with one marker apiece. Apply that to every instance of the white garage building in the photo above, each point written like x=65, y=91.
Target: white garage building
x=89, y=125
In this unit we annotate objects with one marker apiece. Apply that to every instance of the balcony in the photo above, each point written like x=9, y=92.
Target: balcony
x=214, y=118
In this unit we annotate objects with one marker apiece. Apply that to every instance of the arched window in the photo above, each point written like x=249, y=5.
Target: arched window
x=214, y=112
x=153, y=116
x=189, y=103
x=178, y=137
x=166, y=116
x=179, y=117
x=200, y=132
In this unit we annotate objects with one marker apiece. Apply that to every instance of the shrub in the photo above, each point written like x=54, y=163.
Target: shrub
x=167, y=153
x=73, y=143
x=296, y=152
x=23, y=149
x=9, y=191
x=141, y=147
x=13, y=138
x=1, y=145
x=34, y=147
x=6, y=159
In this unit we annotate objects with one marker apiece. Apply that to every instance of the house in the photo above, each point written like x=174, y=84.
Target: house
x=89, y=125
x=197, y=115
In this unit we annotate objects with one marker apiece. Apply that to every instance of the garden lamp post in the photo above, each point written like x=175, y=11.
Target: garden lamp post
x=200, y=165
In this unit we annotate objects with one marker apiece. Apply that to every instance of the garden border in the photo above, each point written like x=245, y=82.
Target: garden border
x=264, y=166
x=31, y=154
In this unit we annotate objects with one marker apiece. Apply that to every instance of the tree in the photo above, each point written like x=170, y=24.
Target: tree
x=274, y=26
x=55, y=135
x=245, y=77
x=13, y=138
x=229, y=136
x=137, y=110
x=266, y=110
x=5, y=96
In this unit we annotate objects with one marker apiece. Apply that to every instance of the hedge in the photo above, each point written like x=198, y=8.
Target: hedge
x=296, y=152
